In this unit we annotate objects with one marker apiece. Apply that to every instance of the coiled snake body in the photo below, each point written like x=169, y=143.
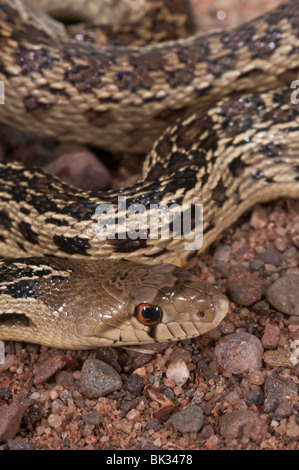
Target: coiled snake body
x=226, y=153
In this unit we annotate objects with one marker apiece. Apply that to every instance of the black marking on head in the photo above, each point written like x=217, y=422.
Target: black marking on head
x=152, y=332
x=72, y=246
x=5, y=220
x=14, y=318
x=27, y=232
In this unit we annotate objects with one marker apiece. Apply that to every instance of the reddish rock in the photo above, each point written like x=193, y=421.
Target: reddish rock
x=78, y=166
x=49, y=367
x=258, y=430
x=232, y=424
x=239, y=353
x=258, y=219
x=271, y=336
x=10, y=420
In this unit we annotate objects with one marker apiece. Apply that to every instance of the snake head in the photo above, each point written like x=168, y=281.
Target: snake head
x=169, y=304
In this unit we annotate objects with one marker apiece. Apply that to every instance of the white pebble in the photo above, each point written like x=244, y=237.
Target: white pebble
x=178, y=372
x=54, y=420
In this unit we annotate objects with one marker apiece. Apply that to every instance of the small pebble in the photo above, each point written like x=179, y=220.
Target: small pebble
x=178, y=372
x=258, y=219
x=98, y=379
x=255, y=397
x=54, y=420
x=57, y=406
x=154, y=424
x=258, y=430
x=284, y=409
x=261, y=308
x=239, y=353
x=135, y=384
x=10, y=420
x=281, y=244
x=180, y=353
x=5, y=393
x=133, y=415
x=94, y=418
x=49, y=367
x=271, y=257
x=278, y=358
x=291, y=253
x=244, y=288
x=283, y=294
x=190, y=419
x=256, y=264
x=232, y=424
x=257, y=378
x=278, y=390
x=271, y=336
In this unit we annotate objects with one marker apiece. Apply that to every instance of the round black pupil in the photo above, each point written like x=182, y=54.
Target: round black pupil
x=151, y=313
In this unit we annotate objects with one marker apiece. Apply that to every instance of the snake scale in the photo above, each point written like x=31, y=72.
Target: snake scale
x=219, y=108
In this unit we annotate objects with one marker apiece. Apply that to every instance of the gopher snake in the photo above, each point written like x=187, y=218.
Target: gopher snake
x=228, y=154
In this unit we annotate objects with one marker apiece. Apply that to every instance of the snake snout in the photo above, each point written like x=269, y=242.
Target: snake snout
x=220, y=304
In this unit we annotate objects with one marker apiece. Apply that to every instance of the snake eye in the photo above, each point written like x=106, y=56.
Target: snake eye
x=148, y=314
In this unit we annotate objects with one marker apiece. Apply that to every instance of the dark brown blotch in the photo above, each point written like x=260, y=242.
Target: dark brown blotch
x=72, y=246
x=11, y=319
x=219, y=194
x=5, y=220
x=27, y=232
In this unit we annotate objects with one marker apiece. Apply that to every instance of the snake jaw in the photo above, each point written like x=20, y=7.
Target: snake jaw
x=220, y=304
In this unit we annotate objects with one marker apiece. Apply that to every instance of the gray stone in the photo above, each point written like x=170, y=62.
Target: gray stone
x=283, y=294
x=190, y=419
x=277, y=391
x=98, y=379
x=271, y=257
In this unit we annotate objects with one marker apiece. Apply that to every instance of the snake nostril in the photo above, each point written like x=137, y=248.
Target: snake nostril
x=202, y=315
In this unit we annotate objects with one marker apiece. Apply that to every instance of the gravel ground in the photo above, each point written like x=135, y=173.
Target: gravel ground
x=233, y=388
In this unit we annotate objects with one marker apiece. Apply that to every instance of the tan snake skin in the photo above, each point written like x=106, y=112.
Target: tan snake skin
x=227, y=155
